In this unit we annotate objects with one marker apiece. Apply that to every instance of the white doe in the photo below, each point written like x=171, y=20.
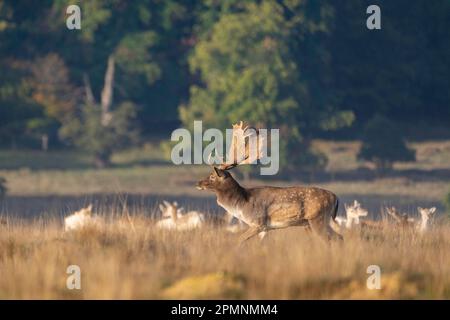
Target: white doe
x=174, y=219
x=82, y=219
x=340, y=221
x=353, y=213
x=425, y=215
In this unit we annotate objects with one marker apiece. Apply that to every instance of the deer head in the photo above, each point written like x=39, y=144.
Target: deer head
x=354, y=212
x=246, y=148
x=426, y=215
x=170, y=210
x=85, y=211
x=400, y=218
x=218, y=180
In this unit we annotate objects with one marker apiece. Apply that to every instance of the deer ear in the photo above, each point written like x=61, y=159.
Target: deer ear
x=167, y=204
x=161, y=207
x=217, y=171
x=89, y=207
x=432, y=210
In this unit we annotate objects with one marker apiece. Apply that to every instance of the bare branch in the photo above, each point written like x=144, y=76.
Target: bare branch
x=88, y=90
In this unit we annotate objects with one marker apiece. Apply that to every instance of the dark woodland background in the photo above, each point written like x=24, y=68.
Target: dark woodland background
x=310, y=68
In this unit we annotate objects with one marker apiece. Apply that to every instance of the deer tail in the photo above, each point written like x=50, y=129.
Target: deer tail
x=336, y=208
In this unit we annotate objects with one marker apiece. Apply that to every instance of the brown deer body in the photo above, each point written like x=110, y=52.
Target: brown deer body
x=267, y=208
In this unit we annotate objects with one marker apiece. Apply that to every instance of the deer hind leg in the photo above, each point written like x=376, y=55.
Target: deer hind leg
x=262, y=235
x=306, y=226
x=308, y=229
x=321, y=227
x=249, y=233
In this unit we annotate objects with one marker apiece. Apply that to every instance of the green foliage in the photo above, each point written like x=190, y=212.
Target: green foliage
x=400, y=85
x=306, y=159
x=51, y=87
x=94, y=14
x=40, y=125
x=133, y=55
x=245, y=64
x=383, y=143
x=87, y=132
x=250, y=73
x=166, y=147
x=299, y=65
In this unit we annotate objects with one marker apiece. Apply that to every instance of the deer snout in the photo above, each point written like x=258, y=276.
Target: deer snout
x=201, y=185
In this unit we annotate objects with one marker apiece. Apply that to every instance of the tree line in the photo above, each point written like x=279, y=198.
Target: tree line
x=142, y=68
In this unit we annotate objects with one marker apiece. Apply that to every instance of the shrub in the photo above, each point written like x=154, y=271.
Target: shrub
x=383, y=144
x=89, y=134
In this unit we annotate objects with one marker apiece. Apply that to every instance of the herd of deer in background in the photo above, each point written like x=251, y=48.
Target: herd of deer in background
x=355, y=218
x=174, y=218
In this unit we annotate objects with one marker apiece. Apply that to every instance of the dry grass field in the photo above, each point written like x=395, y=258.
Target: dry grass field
x=120, y=261
x=128, y=258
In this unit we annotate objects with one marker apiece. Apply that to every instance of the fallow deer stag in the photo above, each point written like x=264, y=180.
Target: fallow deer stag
x=268, y=208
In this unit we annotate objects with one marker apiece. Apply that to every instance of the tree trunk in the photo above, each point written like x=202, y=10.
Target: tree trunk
x=107, y=92
x=88, y=90
x=44, y=142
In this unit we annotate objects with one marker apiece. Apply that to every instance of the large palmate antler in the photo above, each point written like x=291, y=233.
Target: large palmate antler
x=246, y=147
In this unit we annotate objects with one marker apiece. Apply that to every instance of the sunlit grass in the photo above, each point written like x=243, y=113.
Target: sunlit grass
x=122, y=262
x=140, y=261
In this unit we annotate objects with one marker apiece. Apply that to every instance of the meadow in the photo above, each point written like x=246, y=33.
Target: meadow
x=128, y=258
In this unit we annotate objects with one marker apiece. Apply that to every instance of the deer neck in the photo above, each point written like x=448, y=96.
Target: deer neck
x=348, y=223
x=351, y=220
x=174, y=215
x=233, y=197
x=423, y=224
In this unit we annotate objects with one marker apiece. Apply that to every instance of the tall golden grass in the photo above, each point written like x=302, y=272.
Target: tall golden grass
x=131, y=259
